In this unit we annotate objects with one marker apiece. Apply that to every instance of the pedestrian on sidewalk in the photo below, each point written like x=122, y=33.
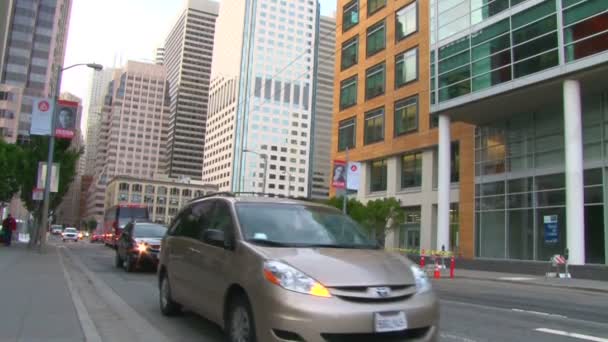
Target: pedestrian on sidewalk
x=9, y=226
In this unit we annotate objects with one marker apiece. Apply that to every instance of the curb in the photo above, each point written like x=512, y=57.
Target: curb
x=579, y=288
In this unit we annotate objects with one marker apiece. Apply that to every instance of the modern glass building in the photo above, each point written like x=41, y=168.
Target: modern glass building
x=261, y=105
x=532, y=76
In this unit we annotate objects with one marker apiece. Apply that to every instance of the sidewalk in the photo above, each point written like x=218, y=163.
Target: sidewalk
x=35, y=301
x=575, y=284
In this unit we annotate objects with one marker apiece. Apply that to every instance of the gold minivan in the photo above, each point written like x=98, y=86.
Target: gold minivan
x=271, y=269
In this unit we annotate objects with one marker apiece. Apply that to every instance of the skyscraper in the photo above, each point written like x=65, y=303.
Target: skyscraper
x=187, y=56
x=97, y=91
x=132, y=135
x=34, y=50
x=324, y=106
x=261, y=105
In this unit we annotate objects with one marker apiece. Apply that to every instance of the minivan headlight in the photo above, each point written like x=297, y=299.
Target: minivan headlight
x=423, y=284
x=292, y=279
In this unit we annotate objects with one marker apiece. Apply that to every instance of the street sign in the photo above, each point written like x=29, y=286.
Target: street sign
x=551, y=229
x=41, y=183
x=37, y=194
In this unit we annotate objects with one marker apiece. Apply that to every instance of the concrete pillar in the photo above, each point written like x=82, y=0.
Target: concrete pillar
x=426, y=206
x=363, y=181
x=443, y=184
x=393, y=179
x=575, y=208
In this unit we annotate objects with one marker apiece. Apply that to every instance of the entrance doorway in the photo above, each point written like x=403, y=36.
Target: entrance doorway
x=594, y=234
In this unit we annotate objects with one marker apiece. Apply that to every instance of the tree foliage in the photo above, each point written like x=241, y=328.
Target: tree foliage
x=91, y=225
x=377, y=217
x=10, y=170
x=37, y=150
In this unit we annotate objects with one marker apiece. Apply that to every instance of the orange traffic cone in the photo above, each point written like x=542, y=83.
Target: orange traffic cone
x=437, y=274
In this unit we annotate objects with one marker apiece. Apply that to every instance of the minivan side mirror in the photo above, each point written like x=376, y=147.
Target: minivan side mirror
x=215, y=237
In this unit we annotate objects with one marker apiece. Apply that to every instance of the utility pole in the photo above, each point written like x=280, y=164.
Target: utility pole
x=345, y=197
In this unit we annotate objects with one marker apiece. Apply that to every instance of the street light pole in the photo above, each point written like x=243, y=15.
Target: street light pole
x=265, y=157
x=49, y=164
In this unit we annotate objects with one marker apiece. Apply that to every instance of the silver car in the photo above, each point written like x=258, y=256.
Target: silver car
x=282, y=270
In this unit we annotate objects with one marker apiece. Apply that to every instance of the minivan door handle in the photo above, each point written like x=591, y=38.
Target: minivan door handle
x=194, y=250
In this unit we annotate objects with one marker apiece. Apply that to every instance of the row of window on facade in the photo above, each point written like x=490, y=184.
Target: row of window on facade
x=523, y=44
x=405, y=18
x=161, y=190
x=410, y=170
x=282, y=87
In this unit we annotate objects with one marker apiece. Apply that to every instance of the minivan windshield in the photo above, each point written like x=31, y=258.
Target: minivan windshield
x=149, y=231
x=288, y=225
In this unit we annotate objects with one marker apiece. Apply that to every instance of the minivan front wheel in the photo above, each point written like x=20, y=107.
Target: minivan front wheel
x=240, y=325
x=168, y=307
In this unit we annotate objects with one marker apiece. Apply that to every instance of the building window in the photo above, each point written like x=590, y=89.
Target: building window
x=406, y=21
x=378, y=175
x=374, y=81
x=374, y=126
x=348, y=93
x=406, y=67
x=350, y=15
x=411, y=170
x=347, y=134
x=406, y=115
x=585, y=32
x=374, y=6
x=376, y=38
x=350, y=53
x=455, y=162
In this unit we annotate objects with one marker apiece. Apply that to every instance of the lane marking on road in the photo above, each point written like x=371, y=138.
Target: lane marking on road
x=516, y=278
x=539, y=313
x=573, y=335
x=456, y=337
x=86, y=323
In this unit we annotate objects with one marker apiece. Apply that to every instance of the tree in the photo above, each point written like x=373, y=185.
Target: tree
x=91, y=225
x=10, y=160
x=378, y=217
x=36, y=150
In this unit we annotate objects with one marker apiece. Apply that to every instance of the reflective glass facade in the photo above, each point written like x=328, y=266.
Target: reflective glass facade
x=520, y=183
x=477, y=44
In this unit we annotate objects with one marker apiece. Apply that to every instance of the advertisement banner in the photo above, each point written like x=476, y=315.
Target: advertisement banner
x=551, y=229
x=66, y=119
x=338, y=179
x=40, y=184
x=42, y=112
x=353, y=176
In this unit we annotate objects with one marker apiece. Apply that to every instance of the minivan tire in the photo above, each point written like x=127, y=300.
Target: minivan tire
x=240, y=325
x=168, y=306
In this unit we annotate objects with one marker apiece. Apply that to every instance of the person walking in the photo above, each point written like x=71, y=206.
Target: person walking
x=9, y=226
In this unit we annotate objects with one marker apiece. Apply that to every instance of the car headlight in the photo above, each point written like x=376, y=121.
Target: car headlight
x=423, y=284
x=142, y=247
x=292, y=279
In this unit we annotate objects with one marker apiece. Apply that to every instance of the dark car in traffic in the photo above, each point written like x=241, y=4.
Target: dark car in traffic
x=139, y=245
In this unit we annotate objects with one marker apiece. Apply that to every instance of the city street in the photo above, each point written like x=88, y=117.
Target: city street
x=471, y=310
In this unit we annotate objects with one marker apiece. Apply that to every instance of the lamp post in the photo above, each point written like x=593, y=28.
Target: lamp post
x=49, y=164
x=265, y=157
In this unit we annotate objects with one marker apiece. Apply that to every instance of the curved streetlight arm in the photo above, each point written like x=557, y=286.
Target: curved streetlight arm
x=95, y=66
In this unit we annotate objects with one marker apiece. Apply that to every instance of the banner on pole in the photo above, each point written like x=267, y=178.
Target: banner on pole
x=338, y=180
x=353, y=176
x=37, y=194
x=41, y=183
x=42, y=114
x=66, y=119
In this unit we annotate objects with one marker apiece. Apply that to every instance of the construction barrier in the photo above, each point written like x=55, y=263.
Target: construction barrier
x=556, y=262
x=433, y=262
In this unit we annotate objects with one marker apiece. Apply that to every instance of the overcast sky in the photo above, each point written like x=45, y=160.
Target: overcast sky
x=110, y=32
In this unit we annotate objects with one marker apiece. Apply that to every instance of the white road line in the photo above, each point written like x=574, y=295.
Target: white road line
x=573, y=335
x=516, y=278
x=456, y=337
x=539, y=313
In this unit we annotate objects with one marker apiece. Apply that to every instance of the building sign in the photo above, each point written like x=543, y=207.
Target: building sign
x=42, y=176
x=338, y=179
x=354, y=176
x=42, y=112
x=37, y=194
x=551, y=229
x=66, y=119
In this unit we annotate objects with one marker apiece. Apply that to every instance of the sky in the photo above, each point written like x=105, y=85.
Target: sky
x=110, y=32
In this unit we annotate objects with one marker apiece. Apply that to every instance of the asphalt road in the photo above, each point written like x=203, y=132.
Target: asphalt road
x=471, y=310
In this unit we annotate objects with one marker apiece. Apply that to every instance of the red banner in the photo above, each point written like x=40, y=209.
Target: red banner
x=338, y=179
x=65, y=123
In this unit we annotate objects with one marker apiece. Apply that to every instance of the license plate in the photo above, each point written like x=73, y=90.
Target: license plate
x=390, y=321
